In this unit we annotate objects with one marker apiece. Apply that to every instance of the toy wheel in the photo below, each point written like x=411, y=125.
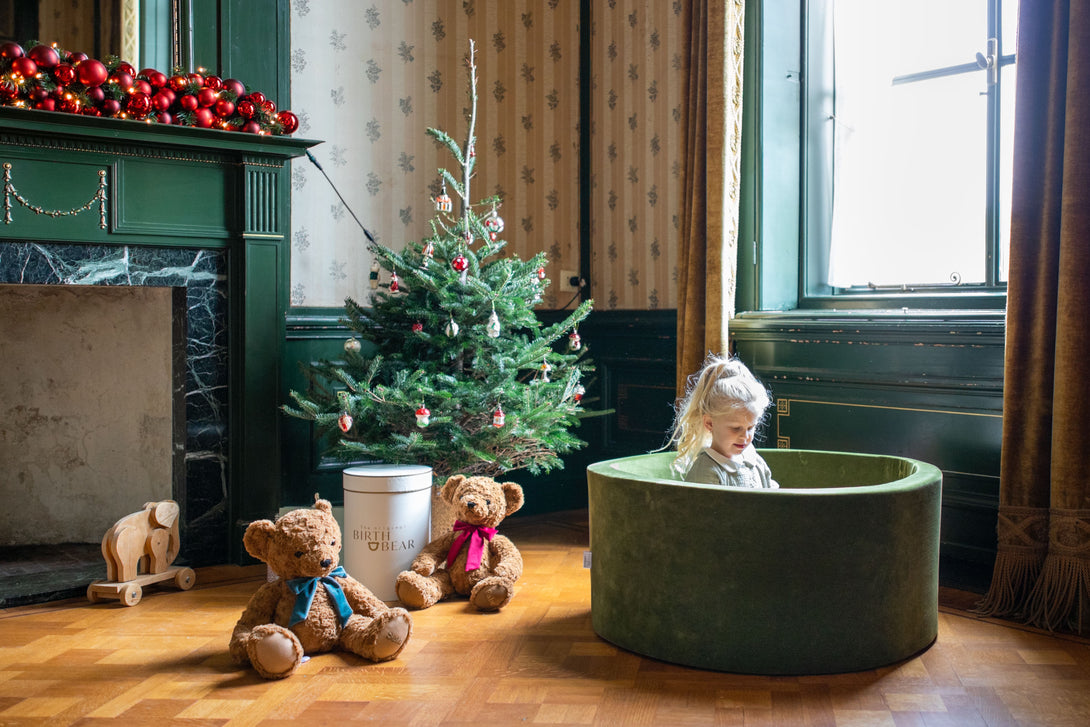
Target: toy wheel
x=130, y=596
x=92, y=594
x=185, y=578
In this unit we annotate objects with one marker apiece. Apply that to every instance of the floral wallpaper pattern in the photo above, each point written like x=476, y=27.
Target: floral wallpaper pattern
x=369, y=77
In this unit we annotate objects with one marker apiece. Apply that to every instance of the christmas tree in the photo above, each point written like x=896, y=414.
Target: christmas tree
x=459, y=373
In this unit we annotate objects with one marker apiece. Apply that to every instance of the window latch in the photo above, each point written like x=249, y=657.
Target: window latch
x=990, y=62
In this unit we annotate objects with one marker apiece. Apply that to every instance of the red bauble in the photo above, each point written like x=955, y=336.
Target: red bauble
x=69, y=104
x=258, y=98
x=64, y=74
x=164, y=118
x=204, y=117
x=126, y=67
x=91, y=73
x=122, y=79
x=195, y=78
x=45, y=56
x=90, y=110
x=418, y=327
x=38, y=94
x=96, y=95
x=246, y=108
x=189, y=102
x=251, y=127
x=288, y=120
x=8, y=90
x=25, y=67
x=139, y=104
x=75, y=57
x=11, y=50
x=143, y=86
x=179, y=83
x=459, y=263
x=235, y=86
x=224, y=108
x=163, y=99
x=157, y=79
x=269, y=107
x=213, y=82
x=46, y=104
x=111, y=107
x=207, y=97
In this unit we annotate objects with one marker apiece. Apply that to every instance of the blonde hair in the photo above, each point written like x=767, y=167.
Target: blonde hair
x=722, y=385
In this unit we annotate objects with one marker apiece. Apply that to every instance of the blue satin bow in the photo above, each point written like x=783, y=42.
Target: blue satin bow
x=304, y=589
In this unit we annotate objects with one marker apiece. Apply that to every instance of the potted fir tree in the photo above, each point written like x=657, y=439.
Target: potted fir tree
x=450, y=367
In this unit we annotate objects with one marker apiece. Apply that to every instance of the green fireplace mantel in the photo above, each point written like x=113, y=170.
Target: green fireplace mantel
x=169, y=186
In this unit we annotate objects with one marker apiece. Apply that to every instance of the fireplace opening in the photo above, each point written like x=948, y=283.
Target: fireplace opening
x=92, y=425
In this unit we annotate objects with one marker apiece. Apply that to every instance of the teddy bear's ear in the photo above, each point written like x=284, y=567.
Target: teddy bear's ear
x=257, y=537
x=323, y=505
x=513, y=494
x=450, y=487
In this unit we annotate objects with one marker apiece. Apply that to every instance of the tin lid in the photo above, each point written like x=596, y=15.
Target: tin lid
x=387, y=478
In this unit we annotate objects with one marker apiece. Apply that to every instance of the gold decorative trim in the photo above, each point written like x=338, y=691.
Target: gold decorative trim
x=99, y=196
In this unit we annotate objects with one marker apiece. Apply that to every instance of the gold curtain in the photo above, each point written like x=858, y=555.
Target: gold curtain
x=711, y=155
x=1042, y=569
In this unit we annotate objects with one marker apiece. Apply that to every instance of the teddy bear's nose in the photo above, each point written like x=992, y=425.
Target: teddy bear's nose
x=327, y=562
x=471, y=505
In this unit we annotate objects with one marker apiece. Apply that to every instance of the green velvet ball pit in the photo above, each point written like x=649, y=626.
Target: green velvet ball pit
x=837, y=571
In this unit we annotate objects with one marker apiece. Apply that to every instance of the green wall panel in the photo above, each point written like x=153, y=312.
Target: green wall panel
x=201, y=199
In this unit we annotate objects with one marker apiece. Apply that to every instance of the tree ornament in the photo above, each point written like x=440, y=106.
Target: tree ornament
x=541, y=273
x=344, y=421
x=25, y=67
x=472, y=150
x=545, y=368
x=574, y=341
x=494, y=224
x=577, y=395
x=492, y=328
x=352, y=345
x=442, y=200
x=374, y=275
x=64, y=74
x=498, y=417
x=460, y=263
x=452, y=328
x=428, y=253
x=394, y=287
x=423, y=416
x=45, y=56
x=246, y=108
x=418, y=327
x=288, y=120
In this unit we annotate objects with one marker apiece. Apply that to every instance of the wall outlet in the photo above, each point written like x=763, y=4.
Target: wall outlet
x=566, y=278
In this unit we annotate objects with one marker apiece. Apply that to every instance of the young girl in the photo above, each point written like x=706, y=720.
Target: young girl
x=715, y=424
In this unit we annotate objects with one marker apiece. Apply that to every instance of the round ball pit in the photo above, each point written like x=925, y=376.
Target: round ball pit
x=837, y=571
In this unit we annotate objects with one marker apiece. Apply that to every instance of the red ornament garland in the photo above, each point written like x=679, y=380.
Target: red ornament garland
x=49, y=78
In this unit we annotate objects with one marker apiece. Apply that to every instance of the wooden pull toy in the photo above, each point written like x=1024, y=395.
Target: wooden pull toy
x=139, y=550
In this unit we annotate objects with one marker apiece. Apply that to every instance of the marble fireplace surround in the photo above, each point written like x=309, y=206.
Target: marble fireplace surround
x=188, y=208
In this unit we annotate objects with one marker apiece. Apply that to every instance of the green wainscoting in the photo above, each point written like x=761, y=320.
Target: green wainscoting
x=929, y=387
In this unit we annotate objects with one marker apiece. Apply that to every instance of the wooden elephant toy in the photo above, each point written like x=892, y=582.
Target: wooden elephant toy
x=138, y=550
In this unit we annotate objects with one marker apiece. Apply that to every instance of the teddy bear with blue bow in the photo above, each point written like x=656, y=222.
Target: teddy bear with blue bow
x=313, y=606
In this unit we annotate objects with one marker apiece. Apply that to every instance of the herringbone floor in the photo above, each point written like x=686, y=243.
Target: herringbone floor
x=164, y=662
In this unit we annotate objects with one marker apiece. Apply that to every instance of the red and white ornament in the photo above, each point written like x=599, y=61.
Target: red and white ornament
x=394, y=286
x=460, y=263
x=418, y=327
x=428, y=253
x=344, y=421
x=574, y=341
x=494, y=224
x=545, y=368
x=352, y=345
x=423, y=416
x=577, y=395
x=541, y=273
x=498, y=417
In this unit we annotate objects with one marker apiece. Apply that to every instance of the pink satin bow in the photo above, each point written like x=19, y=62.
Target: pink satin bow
x=476, y=535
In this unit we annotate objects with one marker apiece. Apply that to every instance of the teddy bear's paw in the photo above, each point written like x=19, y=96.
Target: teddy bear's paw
x=492, y=593
x=274, y=651
x=383, y=638
x=417, y=591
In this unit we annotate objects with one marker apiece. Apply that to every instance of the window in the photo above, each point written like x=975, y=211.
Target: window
x=908, y=117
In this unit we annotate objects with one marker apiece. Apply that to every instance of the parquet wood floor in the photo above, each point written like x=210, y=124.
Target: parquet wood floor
x=164, y=662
